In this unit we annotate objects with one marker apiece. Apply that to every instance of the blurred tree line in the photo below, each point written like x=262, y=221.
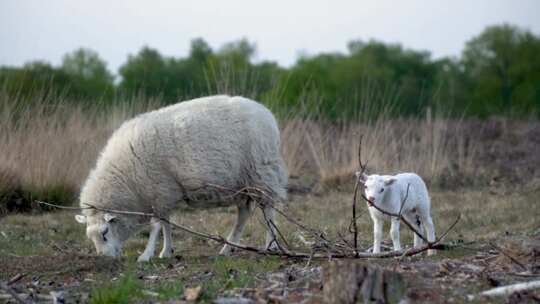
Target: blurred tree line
x=498, y=73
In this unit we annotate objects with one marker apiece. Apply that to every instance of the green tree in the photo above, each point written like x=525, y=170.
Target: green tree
x=238, y=53
x=90, y=77
x=145, y=73
x=200, y=51
x=503, y=67
x=173, y=79
x=384, y=75
x=451, y=92
x=35, y=78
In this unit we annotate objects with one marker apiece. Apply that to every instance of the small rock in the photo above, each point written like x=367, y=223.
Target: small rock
x=192, y=294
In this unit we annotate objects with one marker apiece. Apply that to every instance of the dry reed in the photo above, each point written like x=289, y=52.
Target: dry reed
x=52, y=143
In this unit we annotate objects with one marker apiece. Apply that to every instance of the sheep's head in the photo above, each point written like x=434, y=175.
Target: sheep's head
x=104, y=230
x=376, y=186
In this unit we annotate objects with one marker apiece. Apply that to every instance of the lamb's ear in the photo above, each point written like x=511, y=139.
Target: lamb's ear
x=109, y=217
x=80, y=218
x=361, y=176
x=388, y=181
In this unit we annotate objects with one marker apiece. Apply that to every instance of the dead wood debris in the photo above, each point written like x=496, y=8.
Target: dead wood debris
x=29, y=294
x=294, y=284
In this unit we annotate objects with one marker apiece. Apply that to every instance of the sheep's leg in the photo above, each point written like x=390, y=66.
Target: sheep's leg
x=167, y=250
x=236, y=233
x=271, y=233
x=394, y=233
x=152, y=240
x=430, y=231
x=377, y=235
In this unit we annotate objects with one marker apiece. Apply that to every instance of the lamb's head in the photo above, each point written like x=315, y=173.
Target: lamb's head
x=104, y=229
x=376, y=186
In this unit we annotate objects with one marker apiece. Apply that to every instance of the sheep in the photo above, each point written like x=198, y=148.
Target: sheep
x=388, y=192
x=166, y=159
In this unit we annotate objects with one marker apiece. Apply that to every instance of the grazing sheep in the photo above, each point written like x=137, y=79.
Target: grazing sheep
x=168, y=158
x=388, y=192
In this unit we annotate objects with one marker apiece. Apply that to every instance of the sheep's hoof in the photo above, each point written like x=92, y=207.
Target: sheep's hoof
x=144, y=258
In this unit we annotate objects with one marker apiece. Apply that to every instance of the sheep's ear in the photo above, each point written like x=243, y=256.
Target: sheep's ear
x=109, y=217
x=389, y=181
x=80, y=218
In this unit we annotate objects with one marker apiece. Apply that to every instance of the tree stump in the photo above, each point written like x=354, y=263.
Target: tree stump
x=360, y=282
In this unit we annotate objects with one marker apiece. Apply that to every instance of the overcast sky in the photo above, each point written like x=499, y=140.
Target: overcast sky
x=47, y=29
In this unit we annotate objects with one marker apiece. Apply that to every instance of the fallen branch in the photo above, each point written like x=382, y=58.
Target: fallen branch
x=354, y=218
x=404, y=220
x=12, y=293
x=507, y=290
x=264, y=199
x=363, y=168
x=289, y=254
x=27, y=298
x=15, y=279
x=513, y=259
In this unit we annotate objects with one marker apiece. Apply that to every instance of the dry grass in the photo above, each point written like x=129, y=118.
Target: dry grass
x=49, y=146
x=51, y=143
x=432, y=148
x=486, y=216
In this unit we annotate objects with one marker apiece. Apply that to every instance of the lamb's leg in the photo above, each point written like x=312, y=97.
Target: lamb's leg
x=394, y=233
x=377, y=235
x=414, y=219
x=236, y=233
x=167, y=250
x=152, y=240
x=430, y=231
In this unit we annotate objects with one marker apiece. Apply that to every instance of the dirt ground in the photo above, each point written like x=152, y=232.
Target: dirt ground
x=450, y=277
x=51, y=254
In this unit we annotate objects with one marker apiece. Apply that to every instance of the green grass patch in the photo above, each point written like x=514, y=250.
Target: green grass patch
x=125, y=290
x=231, y=272
x=170, y=290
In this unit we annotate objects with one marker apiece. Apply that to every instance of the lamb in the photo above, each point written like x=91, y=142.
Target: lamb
x=388, y=192
x=166, y=159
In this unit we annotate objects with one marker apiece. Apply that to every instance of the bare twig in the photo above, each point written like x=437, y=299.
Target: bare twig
x=363, y=166
x=354, y=224
x=404, y=220
x=15, y=279
x=513, y=259
x=273, y=229
x=330, y=249
x=404, y=200
x=440, y=238
x=63, y=207
x=359, y=176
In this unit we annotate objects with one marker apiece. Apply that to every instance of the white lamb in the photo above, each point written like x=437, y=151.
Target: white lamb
x=388, y=192
x=176, y=156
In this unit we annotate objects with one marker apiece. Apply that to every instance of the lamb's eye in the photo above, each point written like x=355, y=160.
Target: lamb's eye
x=104, y=233
x=382, y=189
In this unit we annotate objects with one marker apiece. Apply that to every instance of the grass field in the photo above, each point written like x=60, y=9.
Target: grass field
x=487, y=171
